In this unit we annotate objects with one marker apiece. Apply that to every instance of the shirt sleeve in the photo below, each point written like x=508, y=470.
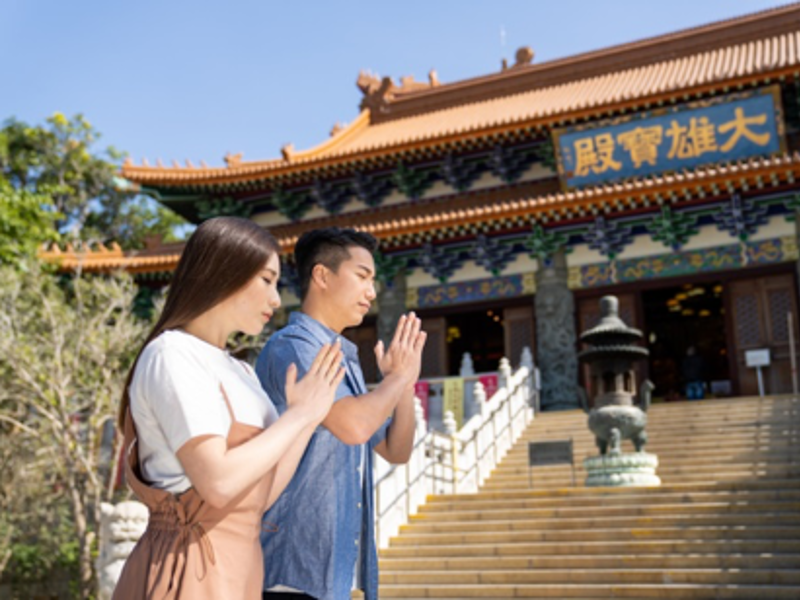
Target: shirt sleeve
x=380, y=435
x=274, y=360
x=184, y=397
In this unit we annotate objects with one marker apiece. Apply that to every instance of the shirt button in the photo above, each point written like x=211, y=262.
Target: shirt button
x=358, y=505
x=356, y=542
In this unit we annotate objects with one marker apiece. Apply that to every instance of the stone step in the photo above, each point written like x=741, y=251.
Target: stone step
x=789, y=456
x=652, y=533
x=788, y=469
x=682, y=425
x=708, y=404
x=522, y=483
x=687, y=418
x=630, y=561
x=725, y=523
x=619, y=576
x=688, y=414
x=606, y=521
x=581, y=496
x=718, y=444
x=558, y=511
x=670, y=444
x=667, y=475
x=562, y=591
x=637, y=547
x=721, y=453
x=538, y=479
x=678, y=428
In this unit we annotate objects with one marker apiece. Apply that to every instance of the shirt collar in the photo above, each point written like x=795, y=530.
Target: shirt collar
x=323, y=334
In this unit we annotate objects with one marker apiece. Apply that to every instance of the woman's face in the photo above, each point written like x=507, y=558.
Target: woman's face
x=252, y=306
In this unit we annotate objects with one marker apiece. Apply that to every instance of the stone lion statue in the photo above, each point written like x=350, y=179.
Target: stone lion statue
x=121, y=526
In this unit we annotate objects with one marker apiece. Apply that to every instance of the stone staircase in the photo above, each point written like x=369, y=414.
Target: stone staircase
x=724, y=524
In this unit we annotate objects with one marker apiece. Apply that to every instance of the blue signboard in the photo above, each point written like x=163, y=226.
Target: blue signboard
x=727, y=129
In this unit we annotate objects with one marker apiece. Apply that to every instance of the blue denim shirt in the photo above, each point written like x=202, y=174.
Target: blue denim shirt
x=323, y=522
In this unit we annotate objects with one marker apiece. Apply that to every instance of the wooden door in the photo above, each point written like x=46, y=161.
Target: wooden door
x=518, y=332
x=434, y=356
x=365, y=337
x=759, y=310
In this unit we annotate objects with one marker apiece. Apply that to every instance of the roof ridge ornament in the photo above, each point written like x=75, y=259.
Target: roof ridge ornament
x=379, y=92
x=287, y=151
x=522, y=58
x=233, y=160
x=337, y=127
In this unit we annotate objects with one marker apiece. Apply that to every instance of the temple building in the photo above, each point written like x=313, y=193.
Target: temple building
x=663, y=171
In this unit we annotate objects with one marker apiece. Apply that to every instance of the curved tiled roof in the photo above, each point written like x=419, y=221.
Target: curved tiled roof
x=724, y=64
x=713, y=180
x=103, y=259
x=752, y=60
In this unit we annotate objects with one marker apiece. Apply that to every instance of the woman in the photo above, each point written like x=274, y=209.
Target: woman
x=206, y=450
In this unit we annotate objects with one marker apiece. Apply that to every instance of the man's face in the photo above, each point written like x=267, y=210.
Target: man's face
x=351, y=289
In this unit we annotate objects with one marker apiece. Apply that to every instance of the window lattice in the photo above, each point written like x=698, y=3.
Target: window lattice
x=780, y=303
x=747, y=325
x=590, y=319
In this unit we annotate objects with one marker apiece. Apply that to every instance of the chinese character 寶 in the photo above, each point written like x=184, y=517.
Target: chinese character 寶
x=642, y=143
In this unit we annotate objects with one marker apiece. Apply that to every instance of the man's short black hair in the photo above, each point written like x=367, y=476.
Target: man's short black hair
x=329, y=247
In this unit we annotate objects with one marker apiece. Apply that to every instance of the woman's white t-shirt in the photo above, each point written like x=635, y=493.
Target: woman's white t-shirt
x=175, y=396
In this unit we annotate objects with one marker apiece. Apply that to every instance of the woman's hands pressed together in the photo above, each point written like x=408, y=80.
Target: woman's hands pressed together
x=313, y=395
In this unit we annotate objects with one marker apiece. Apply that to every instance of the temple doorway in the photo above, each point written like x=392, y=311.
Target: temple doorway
x=687, y=338
x=481, y=333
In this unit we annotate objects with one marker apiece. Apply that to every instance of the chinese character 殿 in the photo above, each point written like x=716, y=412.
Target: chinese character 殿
x=595, y=154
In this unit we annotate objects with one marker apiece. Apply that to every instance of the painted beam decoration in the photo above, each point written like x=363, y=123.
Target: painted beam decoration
x=688, y=262
x=478, y=290
x=670, y=139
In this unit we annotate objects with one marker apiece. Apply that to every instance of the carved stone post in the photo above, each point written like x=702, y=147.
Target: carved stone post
x=392, y=305
x=121, y=526
x=555, y=335
x=467, y=370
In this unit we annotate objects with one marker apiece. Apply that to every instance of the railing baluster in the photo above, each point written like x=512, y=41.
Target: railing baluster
x=435, y=456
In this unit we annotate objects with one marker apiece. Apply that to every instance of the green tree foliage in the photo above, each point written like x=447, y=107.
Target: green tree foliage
x=58, y=160
x=26, y=221
x=65, y=347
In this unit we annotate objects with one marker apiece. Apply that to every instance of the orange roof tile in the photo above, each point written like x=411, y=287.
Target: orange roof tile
x=760, y=54
x=102, y=259
x=724, y=64
x=713, y=180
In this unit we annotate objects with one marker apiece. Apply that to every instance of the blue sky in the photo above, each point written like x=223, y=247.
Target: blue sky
x=195, y=80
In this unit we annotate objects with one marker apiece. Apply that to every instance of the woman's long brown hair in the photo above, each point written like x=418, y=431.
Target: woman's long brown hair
x=220, y=258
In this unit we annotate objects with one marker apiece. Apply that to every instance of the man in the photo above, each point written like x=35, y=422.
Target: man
x=693, y=369
x=318, y=538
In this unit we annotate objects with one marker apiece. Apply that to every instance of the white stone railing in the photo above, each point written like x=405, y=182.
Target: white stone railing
x=456, y=461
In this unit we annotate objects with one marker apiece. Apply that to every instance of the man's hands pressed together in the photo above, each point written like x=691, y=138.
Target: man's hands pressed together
x=404, y=356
